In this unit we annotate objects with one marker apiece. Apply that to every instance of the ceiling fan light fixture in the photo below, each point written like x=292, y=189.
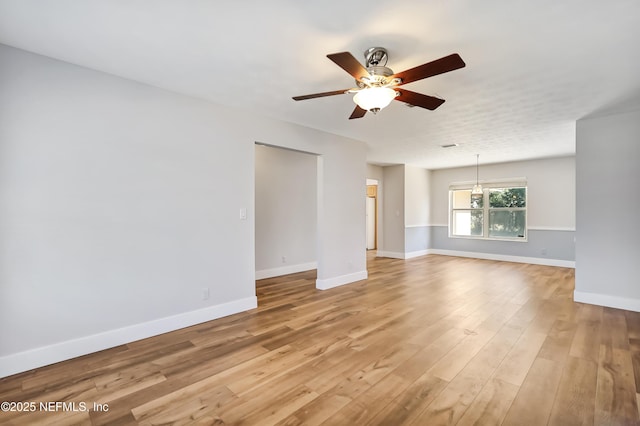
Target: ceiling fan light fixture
x=374, y=98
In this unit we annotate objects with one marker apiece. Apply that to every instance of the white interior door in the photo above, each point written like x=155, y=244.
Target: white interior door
x=371, y=223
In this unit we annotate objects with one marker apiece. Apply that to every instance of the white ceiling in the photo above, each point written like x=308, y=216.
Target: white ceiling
x=533, y=67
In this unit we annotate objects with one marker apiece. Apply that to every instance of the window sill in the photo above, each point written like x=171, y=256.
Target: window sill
x=513, y=240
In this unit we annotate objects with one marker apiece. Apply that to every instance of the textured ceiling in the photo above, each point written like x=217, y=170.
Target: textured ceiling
x=533, y=67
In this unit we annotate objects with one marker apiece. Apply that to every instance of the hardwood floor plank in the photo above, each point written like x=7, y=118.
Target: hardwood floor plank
x=317, y=411
x=268, y=410
x=190, y=402
x=365, y=406
x=491, y=405
x=458, y=357
x=414, y=399
x=615, y=322
x=574, y=402
x=586, y=341
x=119, y=384
x=430, y=355
x=535, y=398
x=615, y=392
x=518, y=361
x=558, y=343
x=633, y=330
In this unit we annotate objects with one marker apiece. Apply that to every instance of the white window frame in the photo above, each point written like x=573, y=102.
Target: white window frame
x=486, y=186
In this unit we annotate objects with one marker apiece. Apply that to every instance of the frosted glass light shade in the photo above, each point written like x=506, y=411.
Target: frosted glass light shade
x=374, y=98
x=476, y=190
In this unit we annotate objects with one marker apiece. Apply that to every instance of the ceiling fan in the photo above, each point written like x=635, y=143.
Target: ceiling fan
x=377, y=85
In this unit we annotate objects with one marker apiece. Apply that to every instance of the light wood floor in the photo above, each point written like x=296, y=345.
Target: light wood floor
x=427, y=341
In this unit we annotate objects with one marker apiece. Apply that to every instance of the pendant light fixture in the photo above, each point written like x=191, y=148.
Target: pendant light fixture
x=476, y=191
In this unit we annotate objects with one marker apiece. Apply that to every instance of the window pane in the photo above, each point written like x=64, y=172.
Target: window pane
x=462, y=200
x=506, y=223
x=467, y=222
x=508, y=197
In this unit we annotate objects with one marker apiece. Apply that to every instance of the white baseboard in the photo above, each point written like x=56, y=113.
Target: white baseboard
x=341, y=280
x=285, y=270
x=507, y=258
x=607, y=300
x=34, y=358
x=391, y=254
x=418, y=253
x=397, y=255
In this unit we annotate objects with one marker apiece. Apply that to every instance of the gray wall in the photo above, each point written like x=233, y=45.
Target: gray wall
x=543, y=246
x=608, y=205
x=286, y=231
x=393, y=212
x=120, y=205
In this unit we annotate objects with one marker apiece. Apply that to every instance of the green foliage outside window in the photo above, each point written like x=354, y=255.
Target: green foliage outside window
x=507, y=197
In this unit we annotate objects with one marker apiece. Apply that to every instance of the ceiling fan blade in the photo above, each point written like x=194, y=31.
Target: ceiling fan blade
x=357, y=113
x=347, y=62
x=439, y=66
x=320, y=95
x=418, y=99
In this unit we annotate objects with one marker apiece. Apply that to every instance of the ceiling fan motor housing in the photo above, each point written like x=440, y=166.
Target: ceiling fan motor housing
x=375, y=56
x=378, y=77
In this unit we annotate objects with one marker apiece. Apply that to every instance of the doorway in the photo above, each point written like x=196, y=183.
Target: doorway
x=286, y=211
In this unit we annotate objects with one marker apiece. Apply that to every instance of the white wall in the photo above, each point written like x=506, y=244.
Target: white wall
x=416, y=210
x=608, y=231
x=416, y=196
x=550, y=195
x=286, y=192
x=119, y=204
x=375, y=172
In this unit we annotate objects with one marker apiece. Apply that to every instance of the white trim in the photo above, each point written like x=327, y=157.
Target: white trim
x=607, y=300
x=551, y=228
x=418, y=253
x=341, y=280
x=372, y=182
x=285, y=270
x=34, y=358
x=507, y=258
x=530, y=228
x=489, y=183
x=403, y=256
x=417, y=226
x=391, y=254
x=510, y=240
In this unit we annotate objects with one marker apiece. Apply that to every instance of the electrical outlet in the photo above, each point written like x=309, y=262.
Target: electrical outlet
x=284, y=259
x=205, y=293
x=543, y=252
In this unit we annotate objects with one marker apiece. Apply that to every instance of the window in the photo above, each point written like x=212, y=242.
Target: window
x=500, y=213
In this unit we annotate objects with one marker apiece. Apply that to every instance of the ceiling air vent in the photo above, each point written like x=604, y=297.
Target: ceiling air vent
x=450, y=145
